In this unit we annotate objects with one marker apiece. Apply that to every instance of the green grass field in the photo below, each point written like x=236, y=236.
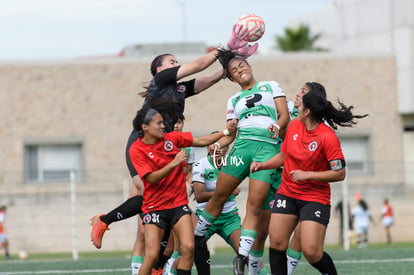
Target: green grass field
x=377, y=259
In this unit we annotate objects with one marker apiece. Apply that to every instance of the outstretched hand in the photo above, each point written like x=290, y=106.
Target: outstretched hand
x=237, y=37
x=248, y=50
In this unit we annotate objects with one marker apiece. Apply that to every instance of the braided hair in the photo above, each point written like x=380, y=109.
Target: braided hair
x=322, y=109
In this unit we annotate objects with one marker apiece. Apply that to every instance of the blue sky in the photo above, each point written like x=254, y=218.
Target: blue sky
x=60, y=29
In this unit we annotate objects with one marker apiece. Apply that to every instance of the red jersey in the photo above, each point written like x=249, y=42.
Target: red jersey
x=308, y=151
x=171, y=191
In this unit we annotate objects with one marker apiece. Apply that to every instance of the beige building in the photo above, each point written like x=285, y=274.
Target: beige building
x=76, y=116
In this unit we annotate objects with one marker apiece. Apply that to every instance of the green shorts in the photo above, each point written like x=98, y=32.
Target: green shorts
x=268, y=204
x=224, y=225
x=244, y=152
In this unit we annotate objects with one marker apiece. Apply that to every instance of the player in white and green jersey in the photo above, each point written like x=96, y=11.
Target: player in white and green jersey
x=256, y=106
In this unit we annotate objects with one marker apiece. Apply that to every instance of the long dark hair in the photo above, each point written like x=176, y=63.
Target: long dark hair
x=363, y=204
x=322, y=109
x=156, y=62
x=158, y=105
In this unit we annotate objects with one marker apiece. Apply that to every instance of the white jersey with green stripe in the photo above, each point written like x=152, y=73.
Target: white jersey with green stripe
x=255, y=109
x=206, y=173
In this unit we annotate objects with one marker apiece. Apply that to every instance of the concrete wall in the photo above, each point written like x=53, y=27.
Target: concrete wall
x=94, y=102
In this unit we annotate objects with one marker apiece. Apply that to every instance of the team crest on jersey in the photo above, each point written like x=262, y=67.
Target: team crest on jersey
x=147, y=218
x=181, y=88
x=312, y=146
x=263, y=88
x=168, y=145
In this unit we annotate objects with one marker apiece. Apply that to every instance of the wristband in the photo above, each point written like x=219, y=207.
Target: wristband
x=226, y=132
x=277, y=126
x=218, y=145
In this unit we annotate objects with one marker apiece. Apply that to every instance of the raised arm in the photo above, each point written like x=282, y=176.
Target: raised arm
x=205, y=82
x=197, y=65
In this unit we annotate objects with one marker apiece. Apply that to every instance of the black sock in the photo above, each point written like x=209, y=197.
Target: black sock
x=162, y=259
x=201, y=256
x=183, y=272
x=278, y=261
x=129, y=208
x=325, y=265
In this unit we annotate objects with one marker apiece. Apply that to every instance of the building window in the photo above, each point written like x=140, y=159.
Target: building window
x=355, y=150
x=52, y=163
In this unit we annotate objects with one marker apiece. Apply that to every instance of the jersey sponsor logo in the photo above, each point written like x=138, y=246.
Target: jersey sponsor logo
x=168, y=145
x=337, y=164
x=181, y=88
x=295, y=136
x=312, y=146
x=150, y=155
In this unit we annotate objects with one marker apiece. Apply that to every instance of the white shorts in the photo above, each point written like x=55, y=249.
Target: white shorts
x=3, y=238
x=361, y=229
x=388, y=221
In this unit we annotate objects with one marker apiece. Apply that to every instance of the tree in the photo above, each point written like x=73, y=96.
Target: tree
x=298, y=39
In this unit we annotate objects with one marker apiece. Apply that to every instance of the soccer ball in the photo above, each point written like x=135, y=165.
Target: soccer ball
x=22, y=255
x=254, y=24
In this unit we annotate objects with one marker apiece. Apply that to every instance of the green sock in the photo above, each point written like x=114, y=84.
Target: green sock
x=294, y=254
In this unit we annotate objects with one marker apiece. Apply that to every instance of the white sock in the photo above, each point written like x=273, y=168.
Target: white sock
x=168, y=265
x=291, y=263
x=135, y=268
x=254, y=265
x=245, y=245
x=202, y=226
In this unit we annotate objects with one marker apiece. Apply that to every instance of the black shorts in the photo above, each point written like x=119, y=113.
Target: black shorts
x=305, y=210
x=166, y=219
x=131, y=139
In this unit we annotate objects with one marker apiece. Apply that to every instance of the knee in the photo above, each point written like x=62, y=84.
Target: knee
x=187, y=250
x=312, y=255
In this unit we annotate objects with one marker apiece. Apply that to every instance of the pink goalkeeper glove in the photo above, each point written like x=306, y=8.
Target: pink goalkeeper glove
x=236, y=40
x=248, y=50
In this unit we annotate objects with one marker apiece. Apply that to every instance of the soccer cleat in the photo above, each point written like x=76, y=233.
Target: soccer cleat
x=98, y=229
x=238, y=264
x=157, y=271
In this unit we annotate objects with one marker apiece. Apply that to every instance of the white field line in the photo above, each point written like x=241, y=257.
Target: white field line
x=107, y=270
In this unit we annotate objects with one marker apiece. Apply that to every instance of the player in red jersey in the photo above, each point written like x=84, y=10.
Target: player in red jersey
x=159, y=160
x=312, y=158
x=387, y=219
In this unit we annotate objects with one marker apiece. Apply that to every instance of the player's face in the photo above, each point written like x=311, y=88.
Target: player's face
x=240, y=71
x=178, y=126
x=298, y=99
x=168, y=61
x=155, y=127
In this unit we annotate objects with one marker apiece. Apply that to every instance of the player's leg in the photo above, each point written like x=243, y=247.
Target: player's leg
x=183, y=229
x=294, y=252
x=257, y=251
x=283, y=221
x=201, y=252
x=224, y=188
x=138, y=250
x=129, y=208
x=258, y=191
x=153, y=236
x=312, y=239
x=313, y=230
